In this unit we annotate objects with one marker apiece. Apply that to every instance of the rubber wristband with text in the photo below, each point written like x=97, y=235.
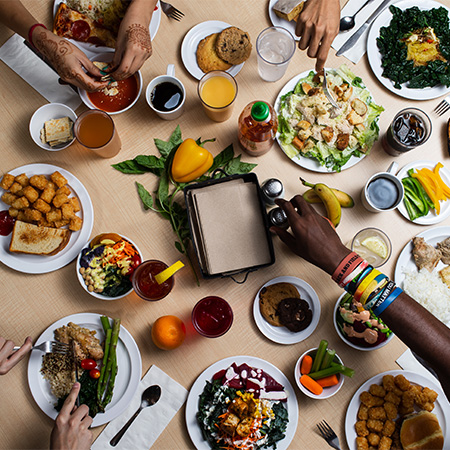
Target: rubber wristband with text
x=373, y=286
x=357, y=271
x=351, y=287
x=346, y=266
x=30, y=32
x=389, y=288
x=376, y=294
x=365, y=283
x=382, y=306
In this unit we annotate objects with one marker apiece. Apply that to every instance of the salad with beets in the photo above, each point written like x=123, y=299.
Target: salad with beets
x=360, y=326
x=242, y=408
x=107, y=265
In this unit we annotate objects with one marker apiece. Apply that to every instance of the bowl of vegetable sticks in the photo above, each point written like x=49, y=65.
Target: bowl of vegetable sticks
x=320, y=372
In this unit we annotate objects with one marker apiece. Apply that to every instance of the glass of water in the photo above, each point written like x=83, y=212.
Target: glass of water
x=275, y=47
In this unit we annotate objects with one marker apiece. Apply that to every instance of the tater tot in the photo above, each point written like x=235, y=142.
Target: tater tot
x=377, y=412
x=30, y=193
x=367, y=399
x=32, y=215
x=389, y=385
x=385, y=443
x=22, y=179
x=15, y=188
x=21, y=216
x=61, y=223
x=45, y=223
x=13, y=212
x=373, y=439
x=9, y=198
x=75, y=224
x=377, y=390
x=388, y=428
x=361, y=443
x=42, y=206
x=59, y=200
x=361, y=428
x=401, y=382
x=363, y=412
x=375, y=425
x=404, y=410
x=67, y=211
x=391, y=410
x=75, y=204
x=21, y=203
x=54, y=215
x=52, y=185
x=47, y=194
x=408, y=398
x=39, y=181
x=7, y=181
x=63, y=190
x=58, y=179
x=392, y=398
x=429, y=394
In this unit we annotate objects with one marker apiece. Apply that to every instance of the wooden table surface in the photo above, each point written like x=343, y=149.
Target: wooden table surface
x=30, y=303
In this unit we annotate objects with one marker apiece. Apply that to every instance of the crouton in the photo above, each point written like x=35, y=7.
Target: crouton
x=306, y=88
x=342, y=141
x=327, y=134
x=304, y=134
x=303, y=124
x=298, y=143
x=347, y=94
x=354, y=118
x=359, y=106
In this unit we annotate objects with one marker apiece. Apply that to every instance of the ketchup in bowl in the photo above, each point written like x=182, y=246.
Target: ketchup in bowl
x=212, y=316
x=6, y=223
x=144, y=282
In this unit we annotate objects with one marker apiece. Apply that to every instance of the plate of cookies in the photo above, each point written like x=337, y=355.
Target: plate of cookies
x=215, y=45
x=286, y=310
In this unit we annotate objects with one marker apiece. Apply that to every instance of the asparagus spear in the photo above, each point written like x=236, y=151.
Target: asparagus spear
x=101, y=380
x=111, y=365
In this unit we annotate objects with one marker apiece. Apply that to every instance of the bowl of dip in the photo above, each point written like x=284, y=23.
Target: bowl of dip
x=118, y=96
x=361, y=330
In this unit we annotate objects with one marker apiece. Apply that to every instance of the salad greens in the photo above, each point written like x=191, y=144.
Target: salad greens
x=394, y=51
x=327, y=154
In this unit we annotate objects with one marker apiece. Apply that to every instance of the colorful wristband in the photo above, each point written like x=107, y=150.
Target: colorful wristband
x=351, y=287
x=365, y=283
x=346, y=266
x=388, y=289
x=373, y=286
x=382, y=306
x=357, y=271
x=375, y=295
x=30, y=32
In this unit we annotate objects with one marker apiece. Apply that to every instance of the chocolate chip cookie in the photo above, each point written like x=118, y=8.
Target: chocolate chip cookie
x=294, y=314
x=233, y=45
x=271, y=296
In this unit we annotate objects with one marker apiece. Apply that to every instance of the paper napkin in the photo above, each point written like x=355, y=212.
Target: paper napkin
x=151, y=421
x=36, y=73
x=357, y=51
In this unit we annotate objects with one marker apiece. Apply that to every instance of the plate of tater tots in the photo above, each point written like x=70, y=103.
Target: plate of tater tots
x=45, y=196
x=373, y=411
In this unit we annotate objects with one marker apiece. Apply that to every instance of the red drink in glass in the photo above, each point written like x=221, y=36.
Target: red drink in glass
x=144, y=282
x=212, y=316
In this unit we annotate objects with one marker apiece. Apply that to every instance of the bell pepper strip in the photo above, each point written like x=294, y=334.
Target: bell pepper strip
x=432, y=177
x=445, y=188
x=413, y=195
x=426, y=184
x=190, y=161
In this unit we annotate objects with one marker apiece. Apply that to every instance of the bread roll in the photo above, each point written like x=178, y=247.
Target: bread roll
x=421, y=431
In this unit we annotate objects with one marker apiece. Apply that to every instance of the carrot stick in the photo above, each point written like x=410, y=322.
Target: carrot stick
x=311, y=384
x=331, y=380
x=305, y=366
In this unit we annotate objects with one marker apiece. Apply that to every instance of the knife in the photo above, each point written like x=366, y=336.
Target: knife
x=354, y=38
x=74, y=357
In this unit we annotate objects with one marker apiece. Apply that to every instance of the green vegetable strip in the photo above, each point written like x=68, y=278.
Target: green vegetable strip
x=319, y=355
x=105, y=323
x=332, y=370
x=344, y=369
x=111, y=367
x=109, y=390
x=101, y=381
x=328, y=358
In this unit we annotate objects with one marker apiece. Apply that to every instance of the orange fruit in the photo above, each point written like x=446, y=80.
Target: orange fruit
x=168, y=332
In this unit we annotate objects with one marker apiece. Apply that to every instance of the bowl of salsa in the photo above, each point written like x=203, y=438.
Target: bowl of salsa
x=145, y=284
x=212, y=316
x=119, y=96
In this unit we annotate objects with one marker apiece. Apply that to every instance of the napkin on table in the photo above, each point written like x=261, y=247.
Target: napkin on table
x=36, y=72
x=151, y=421
x=357, y=51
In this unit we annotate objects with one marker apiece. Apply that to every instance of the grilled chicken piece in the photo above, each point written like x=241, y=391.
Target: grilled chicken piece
x=244, y=427
x=230, y=424
x=239, y=407
x=88, y=345
x=444, y=248
x=425, y=255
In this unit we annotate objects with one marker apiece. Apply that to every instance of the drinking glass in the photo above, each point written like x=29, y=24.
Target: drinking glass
x=144, y=283
x=217, y=91
x=95, y=130
x=275, y=47
x=373, y=245
x=212, y=316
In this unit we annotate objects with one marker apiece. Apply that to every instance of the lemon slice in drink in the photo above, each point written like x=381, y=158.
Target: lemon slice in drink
x=167, y=273
x=376, y=245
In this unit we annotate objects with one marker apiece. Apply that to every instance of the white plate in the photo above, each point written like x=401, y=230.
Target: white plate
x=431, y=218
x=374, y=55
x=282, y=335
x=197, y=388
x=441, y=408
x=405, y=261
x=303, y=161
x=190, y=44
x=279, y=22
x=128, y=373
x=91, y=49
x=78, y=239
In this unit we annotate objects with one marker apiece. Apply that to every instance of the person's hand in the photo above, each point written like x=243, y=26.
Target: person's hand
x=72, y=65
x=71, y=430
x=313, y=237
x=8, y=358
x=318, y=25
x=134, y=45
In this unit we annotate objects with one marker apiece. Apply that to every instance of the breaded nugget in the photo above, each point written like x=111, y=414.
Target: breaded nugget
x=377, y=390
x=388, y=428
x=32, y=215
x=15, y=188
x=7, y=181
x=22, y=179
x=391, y=410
x=377, y=412
x=75, y=204
x=75, y=223
x=59, y=200
x=361, y=443
x=385, y=443
x=392, y=398
x=20, y=203
x=63, y=190
x=373, y=439
x=361, y=428
x=58, y=179
x=363, y=412
x=367, y=399
x=401, y=382
x=39, y=181
x=9, y=198
x=47, y=194
x=67, y=211
x=375, y=425
x=42, y=206
x=30, y=193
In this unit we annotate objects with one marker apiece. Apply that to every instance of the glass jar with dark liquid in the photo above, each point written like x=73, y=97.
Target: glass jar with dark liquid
x=410, y=128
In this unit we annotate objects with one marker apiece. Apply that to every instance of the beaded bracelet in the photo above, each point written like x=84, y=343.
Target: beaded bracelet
x=30, y=32
x=382, y=305
x=346, y=266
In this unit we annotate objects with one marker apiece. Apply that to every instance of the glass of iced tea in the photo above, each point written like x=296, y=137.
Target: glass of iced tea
x=217, y=91
x=144, y=282
x=212, y=316
x=94, y=129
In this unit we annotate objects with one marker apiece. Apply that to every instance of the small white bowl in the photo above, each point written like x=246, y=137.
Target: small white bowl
x=107, y=57
x=96, y=294
x=344, y=338
x=48, y=112
x=327, y=391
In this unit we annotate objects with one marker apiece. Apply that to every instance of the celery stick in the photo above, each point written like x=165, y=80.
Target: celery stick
x=319, y=355
x=328, y=358
x=344, y=369
x=332, y=370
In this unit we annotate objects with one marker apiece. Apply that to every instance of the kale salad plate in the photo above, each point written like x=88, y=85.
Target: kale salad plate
x=241, y=402
x=408, y=47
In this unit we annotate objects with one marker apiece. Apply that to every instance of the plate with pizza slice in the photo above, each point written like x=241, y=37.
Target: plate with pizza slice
x=86, y=32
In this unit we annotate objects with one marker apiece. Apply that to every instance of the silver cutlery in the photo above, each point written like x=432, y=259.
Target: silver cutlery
x=171, y=11
x=49, y=347
x=348, y=22
x=355, y=37
x=328, y=434
x=335, y=110
x=443, y=106
x=149, y=397
x=75, y=364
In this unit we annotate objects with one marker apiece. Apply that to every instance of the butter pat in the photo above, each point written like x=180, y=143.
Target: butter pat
x=288, y=9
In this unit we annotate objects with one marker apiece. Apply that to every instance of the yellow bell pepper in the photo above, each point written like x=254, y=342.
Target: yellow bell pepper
x=444, y=187
x=190, y=162
x=434, y=182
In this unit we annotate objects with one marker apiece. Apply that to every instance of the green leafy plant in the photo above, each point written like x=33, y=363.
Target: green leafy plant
x=163, y=199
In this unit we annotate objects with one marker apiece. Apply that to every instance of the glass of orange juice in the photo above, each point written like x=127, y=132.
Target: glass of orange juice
x=217, y=91
x=95, y=130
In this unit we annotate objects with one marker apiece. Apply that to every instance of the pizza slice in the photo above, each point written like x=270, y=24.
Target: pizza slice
x=71, y=24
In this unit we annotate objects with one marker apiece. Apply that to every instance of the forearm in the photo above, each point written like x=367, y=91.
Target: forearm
x=16, y=17
x=142, y=9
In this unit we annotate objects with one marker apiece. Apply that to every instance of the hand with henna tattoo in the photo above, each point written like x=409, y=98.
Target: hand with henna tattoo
x=133, y=45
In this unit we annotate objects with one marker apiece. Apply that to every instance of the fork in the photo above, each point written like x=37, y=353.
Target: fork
x=328, y=434
x=50, y=347
x=335, y=110
x=171, y=11
x=443, y=107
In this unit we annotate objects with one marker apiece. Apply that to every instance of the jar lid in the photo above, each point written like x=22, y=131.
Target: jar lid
x=260, y=111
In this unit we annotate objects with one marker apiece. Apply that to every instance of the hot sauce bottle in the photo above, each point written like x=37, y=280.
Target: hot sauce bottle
x=258, y=125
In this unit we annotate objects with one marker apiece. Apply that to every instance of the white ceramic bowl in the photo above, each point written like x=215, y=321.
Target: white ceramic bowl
x=327, y=391
x=48, y=112
x=344, y=338
x=96, y=294
x=107, y=57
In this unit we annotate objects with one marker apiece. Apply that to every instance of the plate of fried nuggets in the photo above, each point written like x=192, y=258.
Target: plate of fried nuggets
x=374, y=414
x=46, y=196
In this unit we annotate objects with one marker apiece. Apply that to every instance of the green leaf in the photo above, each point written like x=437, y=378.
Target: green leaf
x=224, y=157
x=236, y=166
x=145, y=196
x=130, y=167
x=151, y=162
x=178, y=247
x=163, y=189
x=175, y=138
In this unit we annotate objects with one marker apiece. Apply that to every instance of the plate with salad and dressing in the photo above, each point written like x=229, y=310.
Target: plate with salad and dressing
x=243, y=402
x=315, y=136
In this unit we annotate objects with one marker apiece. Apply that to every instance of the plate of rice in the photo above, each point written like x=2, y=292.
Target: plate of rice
x=427, y=288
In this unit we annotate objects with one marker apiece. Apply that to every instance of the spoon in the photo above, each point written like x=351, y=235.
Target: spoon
x=149, y=397
x=348, y=22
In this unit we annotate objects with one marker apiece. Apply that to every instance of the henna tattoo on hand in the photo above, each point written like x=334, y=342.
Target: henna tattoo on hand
x=140, y=36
